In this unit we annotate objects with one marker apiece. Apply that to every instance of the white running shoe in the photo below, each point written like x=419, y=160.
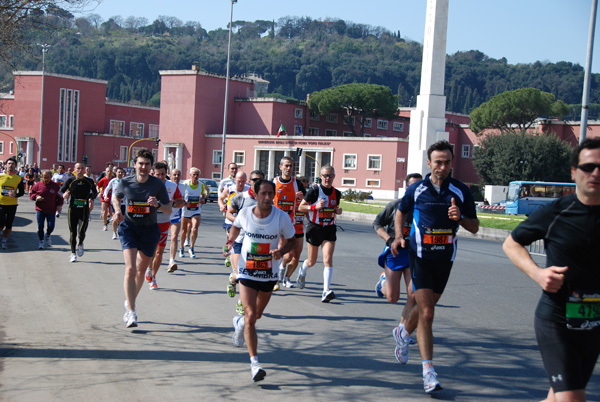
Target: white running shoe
x=379, y=285
x=181, y=253
x=430, y=382
x=172, y=267
x=192, y=254
x=238, y=334
x=131, y=319
x=115, y=236
x=186, y=243
x=48, y=240
x=258, y=373
x=73, y=258
x=328, y=296
x=80, y=250
x=4, y=245
x=300, y=281
x=41, y=245
x=105, y=228
x=401, y=351
x=287, y=283
x=153, y=285
x=148, y=274
x=58, y=214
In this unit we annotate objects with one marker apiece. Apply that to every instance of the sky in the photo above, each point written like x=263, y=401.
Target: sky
x=522, y=31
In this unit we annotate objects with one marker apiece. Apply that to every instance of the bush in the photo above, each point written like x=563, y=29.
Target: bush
x=355, y=196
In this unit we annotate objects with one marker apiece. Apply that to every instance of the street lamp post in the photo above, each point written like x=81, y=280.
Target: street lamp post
x=226, y=94
x=45, y=48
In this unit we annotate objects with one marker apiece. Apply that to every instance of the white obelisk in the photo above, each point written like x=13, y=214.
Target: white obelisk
x=428, y=120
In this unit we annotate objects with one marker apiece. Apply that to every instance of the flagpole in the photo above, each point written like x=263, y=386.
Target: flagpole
x=226, y=94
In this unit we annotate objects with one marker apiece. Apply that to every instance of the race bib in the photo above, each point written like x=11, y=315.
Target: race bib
x=79, y=203
x=138, y=209
x=437, y=239
x=193, y=203
x=583, y=310
x=326, y=215
x=286, y=206
x=6, y=190
x=259, y=263
x=299, y=218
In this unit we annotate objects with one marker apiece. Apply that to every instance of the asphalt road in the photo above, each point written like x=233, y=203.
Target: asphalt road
x=63, y=339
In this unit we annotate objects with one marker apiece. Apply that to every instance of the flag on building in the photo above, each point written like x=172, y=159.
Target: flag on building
x=299, y=130
x=281, y=130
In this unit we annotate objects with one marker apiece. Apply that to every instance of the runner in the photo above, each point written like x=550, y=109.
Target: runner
x=105, y=202
x=29, y=180
x=164, y=222
x=108, y=190
x=46, y=195
x=238, y=186
x=228, y=181
x=567, y=317
x=258, y=267
x=321, y=203
x=175, y=222
x=194, y=194
x=11, y=187
x=138, y=230
x=81, y=191
x=289, y=192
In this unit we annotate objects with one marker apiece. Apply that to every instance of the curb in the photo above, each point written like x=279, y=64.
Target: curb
x=483, y=233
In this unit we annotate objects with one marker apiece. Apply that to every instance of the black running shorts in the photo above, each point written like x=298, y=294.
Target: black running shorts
x=317, y=234
x=429, y=274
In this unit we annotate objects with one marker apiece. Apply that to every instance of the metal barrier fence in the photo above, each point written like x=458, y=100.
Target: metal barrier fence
x=537, y=248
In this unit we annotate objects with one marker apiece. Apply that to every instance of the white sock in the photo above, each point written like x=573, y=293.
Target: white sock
x=303, y=269
x=327, y=273
x=171, y=261
x=254, y=360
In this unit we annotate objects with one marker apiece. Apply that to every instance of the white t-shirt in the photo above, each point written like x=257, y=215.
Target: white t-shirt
x=192, y=196
x=262, y=235
x=60, y=178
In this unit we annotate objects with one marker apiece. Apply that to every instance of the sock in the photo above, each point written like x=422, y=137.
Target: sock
x=427, y=366
x=171, y=261
x=282, y=270
x=254, y=360
x=327, y=273
x=303, y=269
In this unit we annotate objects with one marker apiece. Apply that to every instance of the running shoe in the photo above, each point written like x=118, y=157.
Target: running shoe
x=230, y=286
x=48, y=240
x=148, y=274
x=430, y=382
x=238, y=334
x=328, y=296
x=192, y=254
x=4, y=245
x=239, y=309
x=300, y=281
x=41, y=245
x=379, y=285
x=105, y=228
x=287, y=283
x=153, y=285
x=172, y=267
x=186, y=243
x=115, y=236
x=131, y=319
x=258, y=373
x=227, y=261
x=73, y=258
x=57, y=215
x=181, y=253
x=401, y=351
x=276, y=287
x=80, y=250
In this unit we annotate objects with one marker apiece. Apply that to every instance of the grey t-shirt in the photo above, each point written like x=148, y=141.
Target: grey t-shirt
x=137, y=209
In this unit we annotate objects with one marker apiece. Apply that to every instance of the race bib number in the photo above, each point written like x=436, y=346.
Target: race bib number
x=406, y=231
x=326, y=215
x=6, y=190
x=193, y=203
x=583, y=310
x=79, y=203
x=138, y=209
x=286, y=206
x=299, y=218
x=438, y=239
x=259, y=263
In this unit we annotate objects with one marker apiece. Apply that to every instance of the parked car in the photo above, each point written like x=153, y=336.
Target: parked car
x=213, y=189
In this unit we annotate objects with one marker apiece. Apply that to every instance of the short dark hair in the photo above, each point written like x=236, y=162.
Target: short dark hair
x=588, y=143
x=232, y=163
x=442, y=145
x=121, y=169
x=410, y=176
x=256, y=187
x=258, y=172
x=161, y=165
x=144, y=153
x=12, y=158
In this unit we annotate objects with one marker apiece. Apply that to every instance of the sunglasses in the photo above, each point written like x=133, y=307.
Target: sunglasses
x=589, y=167
x=328, y=176
x=255, y=179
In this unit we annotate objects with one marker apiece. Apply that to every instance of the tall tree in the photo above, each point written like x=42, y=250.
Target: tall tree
x=358, y=100
x=508, y=156
x=516, y=110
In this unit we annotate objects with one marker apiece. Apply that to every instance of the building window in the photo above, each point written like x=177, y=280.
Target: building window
x=136, y=129
x=331, y=118
x=382, y=124
x=11, y=150
x=3, y=121
x=373, y=183
x=314, y=115
x=68, y=125
x=373, y=162
x=123, y=153
x=216, y=175
x=153, y=130
x=239, y=157
x=398, y=126
x=117, y=127
x=1, y=147
x=313, y=131
x=350, y=120
x=347, y=182
x=366, y=135
x=330, y=133
x=347, y=133
x=466, y=151
x=297, y=129
x=155, y=153
x=216, y=159
x=350, y=161
x=298, y=113
x=11, y=121
x=368, y=122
